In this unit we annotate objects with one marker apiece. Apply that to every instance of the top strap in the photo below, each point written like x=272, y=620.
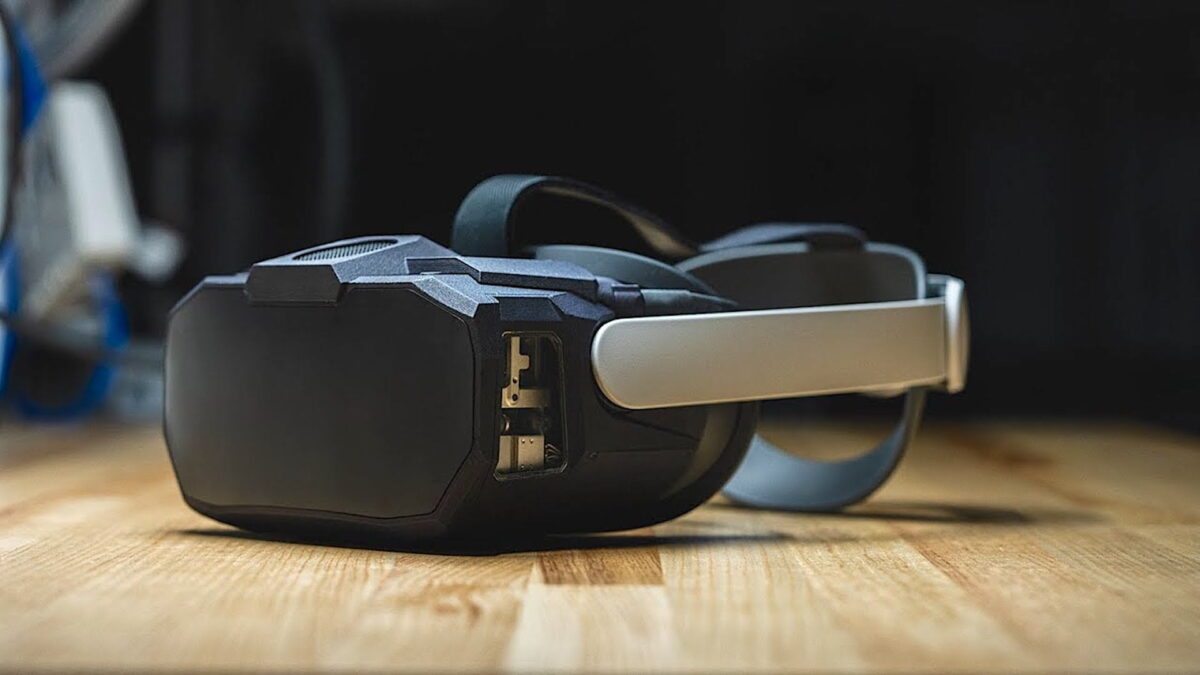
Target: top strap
x=487, y=216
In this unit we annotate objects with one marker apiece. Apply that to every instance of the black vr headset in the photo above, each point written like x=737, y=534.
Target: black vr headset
x=389, y=386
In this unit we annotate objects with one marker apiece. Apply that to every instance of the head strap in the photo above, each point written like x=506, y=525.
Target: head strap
x=487, y=217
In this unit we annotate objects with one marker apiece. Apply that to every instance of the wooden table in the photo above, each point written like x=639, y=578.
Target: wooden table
x=996, y=547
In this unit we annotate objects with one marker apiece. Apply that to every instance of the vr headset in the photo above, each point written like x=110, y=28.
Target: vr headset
x=391, y=387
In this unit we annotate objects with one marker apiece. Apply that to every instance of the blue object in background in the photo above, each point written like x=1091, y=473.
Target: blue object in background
x=116, y=336
x=104, y=293
x=33, y=87
x=10, y=298
x=33, y=95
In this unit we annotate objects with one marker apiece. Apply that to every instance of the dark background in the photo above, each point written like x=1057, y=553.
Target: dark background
x=1046, y=152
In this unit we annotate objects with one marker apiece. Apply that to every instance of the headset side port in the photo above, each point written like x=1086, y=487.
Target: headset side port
x=531, y=417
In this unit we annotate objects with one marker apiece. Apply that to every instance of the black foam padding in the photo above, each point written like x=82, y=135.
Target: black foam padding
x=796, y=275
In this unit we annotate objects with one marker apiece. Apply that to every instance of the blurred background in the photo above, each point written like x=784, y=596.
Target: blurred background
x=1046, y=152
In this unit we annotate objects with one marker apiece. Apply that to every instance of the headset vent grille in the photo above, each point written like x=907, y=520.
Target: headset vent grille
x=346, y=250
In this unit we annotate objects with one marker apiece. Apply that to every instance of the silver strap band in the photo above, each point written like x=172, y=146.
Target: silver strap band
x=697, y=359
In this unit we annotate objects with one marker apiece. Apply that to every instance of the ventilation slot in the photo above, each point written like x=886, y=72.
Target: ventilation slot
x=346, y=250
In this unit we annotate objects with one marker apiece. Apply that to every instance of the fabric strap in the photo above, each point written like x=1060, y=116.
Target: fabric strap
x=487, y=216
x=770, y=478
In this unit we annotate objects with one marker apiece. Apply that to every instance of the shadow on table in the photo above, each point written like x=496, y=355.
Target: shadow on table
x=935, y=512
x=557, y=542
x=911, y=511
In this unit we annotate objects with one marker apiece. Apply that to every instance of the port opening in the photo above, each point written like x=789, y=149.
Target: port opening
x=532, y=425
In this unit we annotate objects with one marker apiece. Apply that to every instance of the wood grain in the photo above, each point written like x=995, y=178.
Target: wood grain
x=997, y=547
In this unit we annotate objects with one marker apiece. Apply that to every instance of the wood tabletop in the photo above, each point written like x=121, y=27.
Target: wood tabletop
x=996, y=547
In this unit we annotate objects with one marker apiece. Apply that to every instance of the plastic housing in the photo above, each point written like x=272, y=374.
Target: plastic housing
x=353, y=390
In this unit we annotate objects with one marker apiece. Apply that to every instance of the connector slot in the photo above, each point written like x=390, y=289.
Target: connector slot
x=531, y=434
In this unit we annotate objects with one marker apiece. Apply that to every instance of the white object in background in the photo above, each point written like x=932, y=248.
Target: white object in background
x=159, y=252
x=75, y=212
x=67, y=35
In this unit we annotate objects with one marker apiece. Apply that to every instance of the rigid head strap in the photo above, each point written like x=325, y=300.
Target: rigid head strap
x=486, y=218
x=697, y=359
x=884, y=347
